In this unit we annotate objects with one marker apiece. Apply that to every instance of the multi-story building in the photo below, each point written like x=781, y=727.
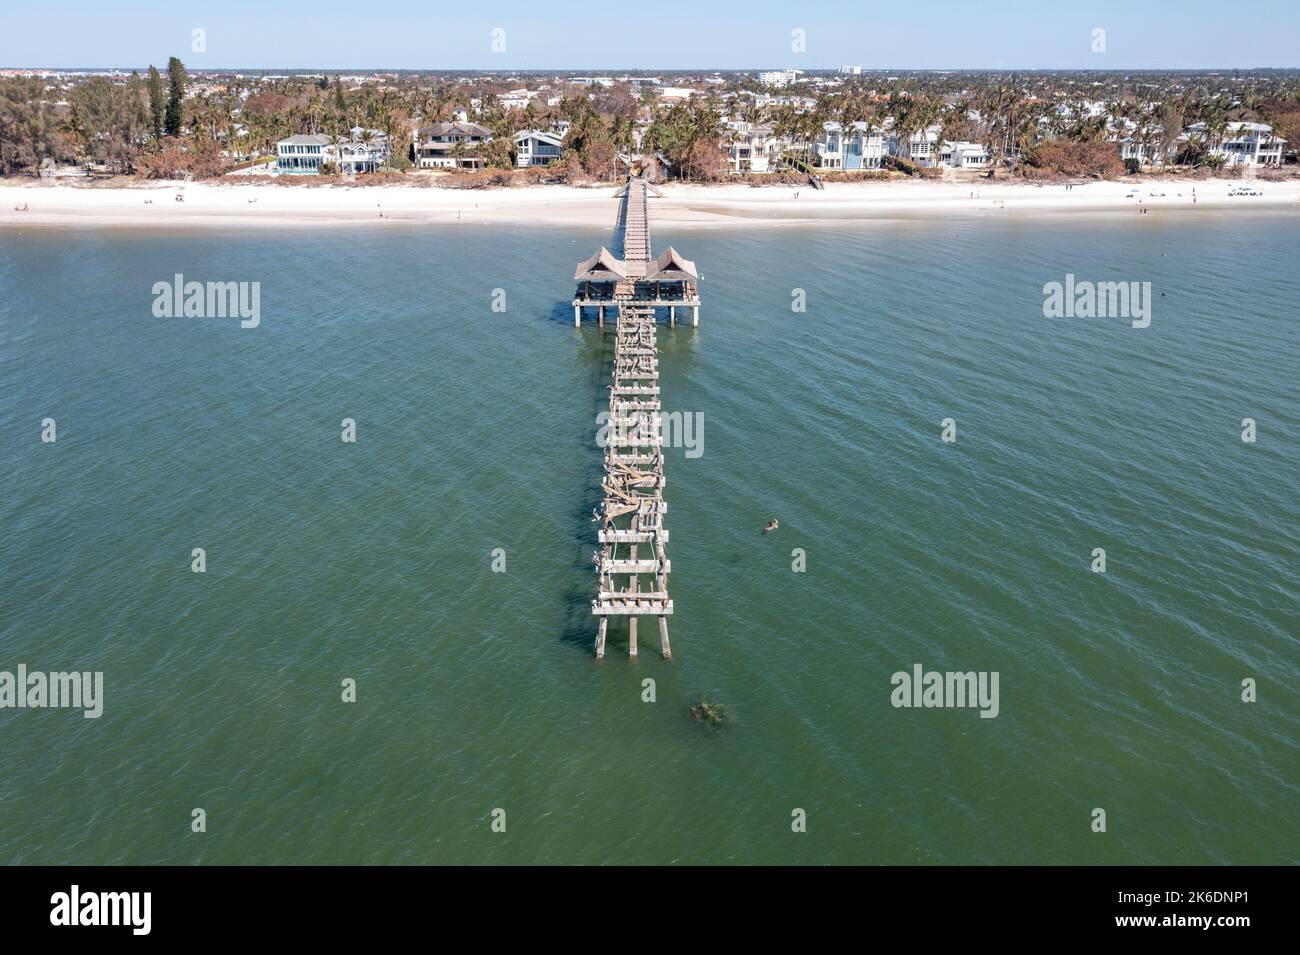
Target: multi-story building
x=1243, y=144
x=301, y=154
x=536, y=148
x=451, y=146
x=516, y=99
x=778, y=77
x=861, y=146
x=752, y=147
x=365, y=151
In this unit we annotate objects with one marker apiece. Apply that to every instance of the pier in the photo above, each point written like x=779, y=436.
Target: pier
x=632, y=558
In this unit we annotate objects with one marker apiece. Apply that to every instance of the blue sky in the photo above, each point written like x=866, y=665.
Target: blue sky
x=588, y=35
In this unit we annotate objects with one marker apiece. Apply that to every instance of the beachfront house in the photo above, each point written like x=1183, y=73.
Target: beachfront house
x=929, y=150
x=1143, y=150
x=1240, y=144
x=451, y=146
x=365, y=151
x=302, y=154
x=860, y=146
x=964, y=155
x=536, y=148
x=922, y=147
x=752, y=147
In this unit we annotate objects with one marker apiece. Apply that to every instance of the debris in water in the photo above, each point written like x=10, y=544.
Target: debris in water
x=714, y=714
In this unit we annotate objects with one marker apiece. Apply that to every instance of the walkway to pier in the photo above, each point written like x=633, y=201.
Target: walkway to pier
x=636, y=225
x=632, y=561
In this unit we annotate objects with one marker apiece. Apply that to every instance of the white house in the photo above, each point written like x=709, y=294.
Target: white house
x=964, y=155
x=516, y=99
x=536, y=148
x=752, y=148
x=450, y=145
x=1143, y=146
x=674, y=94
x=1133, y=149
x=301, y=154
x=1243, y=144
x=365, y=151
x=923, y=147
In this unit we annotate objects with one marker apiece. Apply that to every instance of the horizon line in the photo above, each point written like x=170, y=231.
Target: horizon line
x=679, y=69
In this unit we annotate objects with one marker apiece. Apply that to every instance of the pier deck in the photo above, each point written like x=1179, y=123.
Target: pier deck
x=631, y=562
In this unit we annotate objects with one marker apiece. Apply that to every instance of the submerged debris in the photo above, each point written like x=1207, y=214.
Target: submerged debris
x=714, y=714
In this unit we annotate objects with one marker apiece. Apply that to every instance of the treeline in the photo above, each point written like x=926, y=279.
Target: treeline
x=148, y=126
x=117, y=125
x=152, y=126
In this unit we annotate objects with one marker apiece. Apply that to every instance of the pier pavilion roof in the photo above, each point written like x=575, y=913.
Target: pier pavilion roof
x=601, y=267
x=671, y=267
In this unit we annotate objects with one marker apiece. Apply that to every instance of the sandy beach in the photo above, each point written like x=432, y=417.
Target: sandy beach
x=37, y=203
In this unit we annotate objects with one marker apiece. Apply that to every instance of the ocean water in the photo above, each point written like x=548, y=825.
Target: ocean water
x=478, y=691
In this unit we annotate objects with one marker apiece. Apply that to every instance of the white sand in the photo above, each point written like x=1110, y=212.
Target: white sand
x=205, y=204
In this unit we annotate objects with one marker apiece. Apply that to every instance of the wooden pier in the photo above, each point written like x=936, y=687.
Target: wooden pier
x=632, y=563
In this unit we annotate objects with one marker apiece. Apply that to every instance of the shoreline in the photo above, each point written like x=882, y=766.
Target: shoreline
x=207, y=204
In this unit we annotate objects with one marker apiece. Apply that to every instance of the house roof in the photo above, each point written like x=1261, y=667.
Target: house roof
x=601, y=267
x=456, y=129
x=307, y=139
x=549, y=138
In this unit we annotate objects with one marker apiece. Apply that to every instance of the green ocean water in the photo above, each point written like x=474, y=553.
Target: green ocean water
x=476, y=430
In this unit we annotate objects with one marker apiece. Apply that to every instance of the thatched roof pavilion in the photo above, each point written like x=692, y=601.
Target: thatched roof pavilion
x=671, y=266
x=601, y=267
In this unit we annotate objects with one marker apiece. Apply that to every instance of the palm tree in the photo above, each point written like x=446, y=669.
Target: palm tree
x=527, y=117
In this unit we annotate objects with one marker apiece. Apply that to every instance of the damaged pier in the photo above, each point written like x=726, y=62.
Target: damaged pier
x=632, y=559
